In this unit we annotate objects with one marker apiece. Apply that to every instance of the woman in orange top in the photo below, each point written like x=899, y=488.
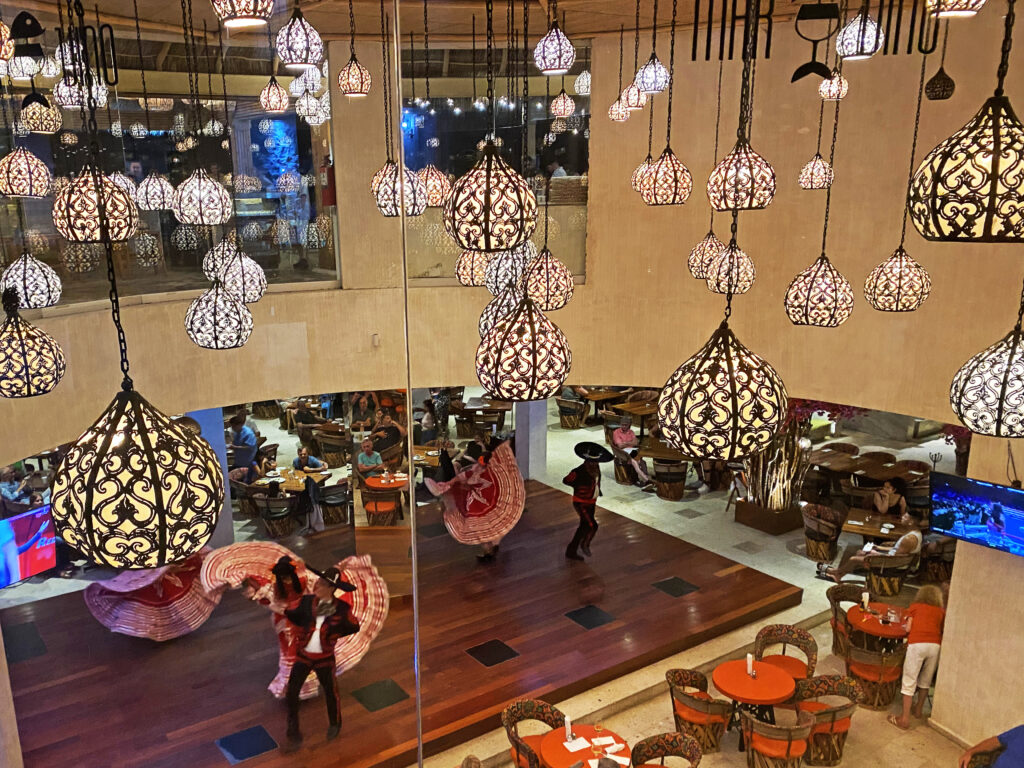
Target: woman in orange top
x=924, y=626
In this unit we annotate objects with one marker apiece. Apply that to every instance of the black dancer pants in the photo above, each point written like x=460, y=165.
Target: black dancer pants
x=324, y=669
x=586, y=529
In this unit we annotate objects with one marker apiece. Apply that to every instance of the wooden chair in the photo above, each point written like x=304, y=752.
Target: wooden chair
x=487, y=420
x=392, y=457
x=611, y=422
x=465, y=426
x=857, y=498
x=880, y=456
x=334, y=448
x=821, y=536
x=913, y=465
x=305, y=435
x=878, y=673
x=849, y=448
x=269, y=451
x=697, y=714
x=268, y=409
x=282, y=416
x=335, y=501
x=885, y=573
x=816, y=486
x=669, y=479
x=666, y=745
x=276, y=514
x=786, y=634
x=847, y=592
x=570, y=413
x=985, y=759
x=831, y=721
x=243, y=494
x=776, y=746
x=525, y=750
x=919, y=497
x=381, y=507
x=938, y=566
x=625, y=474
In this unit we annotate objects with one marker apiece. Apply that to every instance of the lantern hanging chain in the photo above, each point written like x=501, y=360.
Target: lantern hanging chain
x=270, y=45
x=1004, y=56
x=636, y=39
x=650, y=131
x=654, y=29
x=718, y=122
x=733, y=227
x=7, y=129
x=351, y=32
x=490, y=66
x=547, y=202
x=746, y=84
x=913, y=149
x=622, y=33
x=1020, y=314
x=508, y=49
x=227, y=132
x=832, y=164
x=945, y=39
x=473, y=35
x=525, y=111
x=142, y=67
x=671, y=74
x=190, y=60
x=412, y=64
x=385, y=82
x=426, y=51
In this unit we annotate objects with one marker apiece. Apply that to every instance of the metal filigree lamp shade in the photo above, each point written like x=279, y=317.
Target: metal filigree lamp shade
x=742, y=181
x=582, y=83
x=155, y=193
x=632, y=98
x=549, y=282
x=954, y=8
x=125, y=182
x=137, y=490
x=617, y=112
x=963, y=191
x=834, y=88
x=354, y=78
x=724, y=403
x=987, y=393
x=652, y=77
x=491, y=207
x=217, y=258
x=307, y=104
x=201, y=199
x=731, y=270
x=471, y=268
x=508, y=268
x=820, y=296
x=817, y=174
x=639, y=172
x=702, y=255
x=39, y=117
x=288, y=182
x=299, y=45
x=147, y=250
x=940, y=86
x=554, y=53
x=562, y=105
x=79, y=258
x=274, y=98
x=436, y=184
x=245, y=278
x=667, y=181
x=898, y=284
x=395, y=191
x=243, y=13
x=22, y=174
x=157, y=104
x=76, y=209
x=185, y=238
x=860, y=39
x=218, y=319
x=500, y=306
x=31, y=361
x=524, y=356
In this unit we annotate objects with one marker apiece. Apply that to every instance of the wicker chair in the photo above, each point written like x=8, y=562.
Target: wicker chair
x=885, y=573
x=669, y=479
x=571, y=413
x=277, y=514
x=849, y=448
x=334, y=448
x=985, y=759
x=269, y=451
x=878, y=673
x=786, y=634
x=381, y=507
x=334, y=503
x=821, y=536
x=696, y=713
x=666, y=745
x=831, y=722
x=306, y=437
x=243, y=494
x=847, y=592
x=776, y=746
x=525, y=750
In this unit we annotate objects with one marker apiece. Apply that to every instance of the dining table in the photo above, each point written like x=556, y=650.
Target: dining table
x=396, y=481
x=757, y=694
x=847, y=464
x=554, y=753
x=653, y=448
x=881, y=631
x=426, y=455
x=875, y=527
x=639, y=409
x=293, y=480
x=332, y=427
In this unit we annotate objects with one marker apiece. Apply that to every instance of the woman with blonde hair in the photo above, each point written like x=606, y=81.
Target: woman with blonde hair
x=924, y=621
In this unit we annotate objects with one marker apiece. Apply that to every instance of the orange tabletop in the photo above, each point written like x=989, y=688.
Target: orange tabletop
x=867, y=622
x=378, y=483
x=771, y=686
x=553, y=753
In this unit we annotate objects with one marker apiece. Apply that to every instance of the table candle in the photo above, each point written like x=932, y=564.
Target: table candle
x=750, y=663
x=864, y=599
x=568, y=729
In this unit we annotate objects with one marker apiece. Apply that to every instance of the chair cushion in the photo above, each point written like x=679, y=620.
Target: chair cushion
x=874, y=673
x=379, y=507
x=533, y=742
x=791, y=665
x=691, y=715
x=811, y=706
x=777, y=747
x=839, y=726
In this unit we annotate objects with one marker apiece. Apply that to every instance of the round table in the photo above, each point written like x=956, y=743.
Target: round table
x=553, y=753
x=862, y=621
x=771, y=686
x=378, y=483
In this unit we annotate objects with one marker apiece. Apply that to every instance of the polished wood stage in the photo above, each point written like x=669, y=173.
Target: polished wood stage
x=93, y=699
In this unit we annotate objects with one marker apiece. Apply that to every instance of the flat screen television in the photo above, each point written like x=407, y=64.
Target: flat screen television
x=982, y=513
x=27, y=545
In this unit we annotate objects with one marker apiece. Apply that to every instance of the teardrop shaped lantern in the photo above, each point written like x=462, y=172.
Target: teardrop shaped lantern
x=639, y=172
x=471, y=268
x=491, y=207
x=940, y=86
x=137, y=490
x=273, y=97
x=554, y=53
x=618, y=112
x=820, y=296
x=652, y=77
x=834, y=88
x=33, y=362
x=218, y=319
x=731, y=270
x=201, y=199
x=125, y=182
x=38, y=116
x=394, y=188
x=508, y=268
x=562, y=105
x=524, y=356
x=243, y=13
x=632, y=98
x=307, y=104
x=22, y=174
x=898, y=284
x=155, y=193
x=817, y=174
x=288, y=182
x=582, y=83
x=147, y=251
x=742, y=181
x=954, y=8
x=724, y=403
x=218, y=257
x=500, y=306
x=987, y=393
x=185, y=238
x=549, y=282
x=702, y=255
x=667, y=181
x=244, y=278
x=299, y=45
x=354, y=78
x=860, y=39
x=436, y=184
x=76, y=209
x=79, y=258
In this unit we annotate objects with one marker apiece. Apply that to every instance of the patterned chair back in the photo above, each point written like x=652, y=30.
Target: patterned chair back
x=830, y=685
x=687, y=678
x=847, y=592
x=667, y=745
x=882, y=659
x=786, y=634
x=786, y=733
x=528, y=709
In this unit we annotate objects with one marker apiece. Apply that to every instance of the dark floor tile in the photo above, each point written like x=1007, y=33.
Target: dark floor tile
x=22, y=642
x=245, y=744
x=492, y=652
x=750, y=547
x=590, y=616
x=431, y=530
x=675, y=586
x=379, y=695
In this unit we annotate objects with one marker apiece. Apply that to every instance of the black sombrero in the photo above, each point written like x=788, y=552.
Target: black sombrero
x=338, y=583
x=592, y=452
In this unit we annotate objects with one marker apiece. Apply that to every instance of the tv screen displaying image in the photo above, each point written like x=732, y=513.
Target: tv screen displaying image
x=27, y=545
x=979, y=512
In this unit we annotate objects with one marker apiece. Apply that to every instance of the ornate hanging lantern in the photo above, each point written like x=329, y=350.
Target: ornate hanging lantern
x=898, y=284
x=639, y=171
x=554, y=54
x=218, y=319
x=667, y=181
x=559, y=126
x=307, y=82
x=299, y=45
x=243, y=13
x=582, y=83
x=500, y=306
x=834, y=88
x=393, y=188
x=79, y=258
x=508, y=268
x=724, y=403
x=940, y=86
x=38, y=116
x=652, y=77
x=562, y=105
x=147, y=250
x=742, y=181
x=549, y=282
x=155, y=193
x=471, y=267
x=730, y=271
x=245, y=278
x=306, y=105
x=185, y=238
x=50, y=68
x=287, y=183
x=201, y=199
x=252, y=231
x=213, y=128
x=524, y=356
x=6, y=43
x=632, y=98
x=68, y=139
x=22, y=68
x=354, y=78
x=115, y=129
x=124, y=181
x=264, y=126
x=702, y=255
x=817, y=174
x=22, y=174
x=72, y=96
x=954, y=8
x=322, y=113
x=861, y=38
x=436, y=184
x=617, y=112
x=76, y=209
x=218, y=257
x=35, y=282
x=137, y=131
x=33, y=362
x=820, y=296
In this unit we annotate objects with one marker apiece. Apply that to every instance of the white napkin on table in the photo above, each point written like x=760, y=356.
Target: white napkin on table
x=576, y=744
x=600, y=741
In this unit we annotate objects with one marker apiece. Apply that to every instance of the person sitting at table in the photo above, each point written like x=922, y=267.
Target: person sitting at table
x=306, y=462
x=428, y=423
x=625, y=442
x=907, y=544
x=924, y=637
x=890, y=498
x=387, y=434
x=11, y=488
x=1011, y=741
x=368, y=461
x=243, y=440
x=477, y=450
x=362, y=411
x=303, y=415
x=259, y=467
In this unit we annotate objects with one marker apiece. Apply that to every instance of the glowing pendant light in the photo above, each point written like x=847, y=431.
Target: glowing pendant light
x=743, y=180
x=471, y=267
x=395, y=190
x=820, y=296
x=817, y=174
x=730, y=271
x=35, y=282
x=22, y=174
x=76, y=209
x=155, y=193
x=218, y=319
x=562, y=105
x=436, y=184
x=299, y=45
x=274, y=98
x=861, y=38
x=79, y=258
x=508, y=268
x=702, y=254
x=500, y=306
x=554, y=54
x=243, y=13
x=201, y=199
x=582, y=83
x=834, y=88
x=125, y=182
x=954, y=8
x=244, y=278
x=549, y=282
x=38, y=116
x=32, y=361
x=218, y=257
x=639, y=171
x=354, y=78
x=898, y=284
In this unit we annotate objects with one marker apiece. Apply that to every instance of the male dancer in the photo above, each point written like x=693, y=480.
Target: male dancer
x=585, y=481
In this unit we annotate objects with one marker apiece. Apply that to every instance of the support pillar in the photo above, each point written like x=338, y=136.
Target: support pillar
x=211, y=420
x=532, y=438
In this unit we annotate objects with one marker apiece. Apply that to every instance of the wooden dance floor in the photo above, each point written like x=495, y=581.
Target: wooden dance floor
x=91, y=699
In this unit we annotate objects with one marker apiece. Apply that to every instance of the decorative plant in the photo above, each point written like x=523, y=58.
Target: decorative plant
x=775, y=476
